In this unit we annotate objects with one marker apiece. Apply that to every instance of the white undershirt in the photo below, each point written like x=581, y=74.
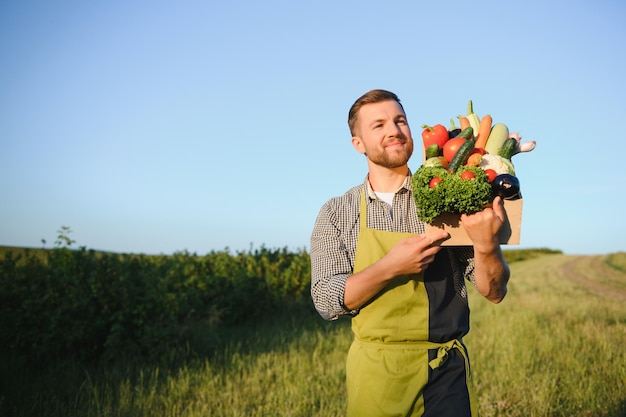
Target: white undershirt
x=387, y=198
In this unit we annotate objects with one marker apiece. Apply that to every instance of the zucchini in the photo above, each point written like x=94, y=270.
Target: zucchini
x=508, y=148
x=467, y=133
x=499, y=133
x=432, y=151
x=461, y=155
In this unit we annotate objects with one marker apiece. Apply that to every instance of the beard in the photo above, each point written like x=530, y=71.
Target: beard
x=391, y=158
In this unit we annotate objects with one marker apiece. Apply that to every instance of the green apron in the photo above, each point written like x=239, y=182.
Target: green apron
x=387, y=366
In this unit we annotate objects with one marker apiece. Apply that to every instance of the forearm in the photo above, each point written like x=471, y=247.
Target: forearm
x=410, y=255
x=364, y=285
x=491, y=273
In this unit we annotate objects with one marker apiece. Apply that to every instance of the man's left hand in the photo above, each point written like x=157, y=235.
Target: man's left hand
x=483, y=227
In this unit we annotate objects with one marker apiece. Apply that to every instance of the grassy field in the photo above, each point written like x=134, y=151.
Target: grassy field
x=554, y=347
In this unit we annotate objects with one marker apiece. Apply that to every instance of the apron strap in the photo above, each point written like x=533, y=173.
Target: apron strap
x=363, y=210
x=442, y=349
x=442, y=353
x=442, y=356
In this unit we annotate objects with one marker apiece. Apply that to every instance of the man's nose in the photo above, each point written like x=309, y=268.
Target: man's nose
x=393, y=129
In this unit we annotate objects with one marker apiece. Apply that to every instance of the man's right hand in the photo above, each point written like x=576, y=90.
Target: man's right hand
x=413, y=254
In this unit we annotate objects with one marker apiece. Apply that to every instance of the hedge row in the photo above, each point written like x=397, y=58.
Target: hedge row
x=85, y=304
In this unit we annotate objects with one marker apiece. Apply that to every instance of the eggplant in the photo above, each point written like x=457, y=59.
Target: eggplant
x=506, y=186
x=453, y=133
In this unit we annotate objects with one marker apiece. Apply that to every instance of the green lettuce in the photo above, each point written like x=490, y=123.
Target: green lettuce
x=452, y=195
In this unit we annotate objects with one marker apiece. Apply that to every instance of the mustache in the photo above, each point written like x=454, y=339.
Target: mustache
x=400, y=139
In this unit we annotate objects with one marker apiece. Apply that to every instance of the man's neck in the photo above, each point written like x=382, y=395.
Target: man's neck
x=387, y=180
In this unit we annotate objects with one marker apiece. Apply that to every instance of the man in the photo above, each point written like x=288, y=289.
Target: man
x=406, y=294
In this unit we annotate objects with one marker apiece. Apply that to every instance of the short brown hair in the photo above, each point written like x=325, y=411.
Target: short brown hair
x=373, y=96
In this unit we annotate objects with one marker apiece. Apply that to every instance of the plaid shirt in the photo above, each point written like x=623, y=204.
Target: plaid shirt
x=335, y=235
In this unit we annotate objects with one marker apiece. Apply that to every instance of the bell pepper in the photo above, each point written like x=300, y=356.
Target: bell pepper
x=437, y=134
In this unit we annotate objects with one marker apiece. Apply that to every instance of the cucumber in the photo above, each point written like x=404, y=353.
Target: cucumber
x=461, y=155
x=467, y=133
x=432, y=151
x=508, y=148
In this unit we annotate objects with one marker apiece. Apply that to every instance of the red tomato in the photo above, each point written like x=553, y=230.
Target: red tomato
x=480, y=151
x=451, y=147
x=491, y=174
x=467, y=175
x=435, y=182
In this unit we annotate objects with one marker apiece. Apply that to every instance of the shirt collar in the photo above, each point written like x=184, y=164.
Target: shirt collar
x=406, y=185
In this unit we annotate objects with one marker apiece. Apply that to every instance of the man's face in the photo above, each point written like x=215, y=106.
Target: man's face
x=383, y=134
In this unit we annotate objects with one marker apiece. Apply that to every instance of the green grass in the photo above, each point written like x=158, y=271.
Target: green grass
x=617, y=261
x=554, y=347
x=292, y=367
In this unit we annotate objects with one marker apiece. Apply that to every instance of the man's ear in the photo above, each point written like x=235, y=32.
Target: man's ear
x=358, y=144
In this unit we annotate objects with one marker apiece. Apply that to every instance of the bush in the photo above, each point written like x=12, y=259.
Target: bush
x=516, y=255
x=83, y=304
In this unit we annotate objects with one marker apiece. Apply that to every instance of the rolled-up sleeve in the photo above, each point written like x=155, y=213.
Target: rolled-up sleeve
x=464, y=262
x=330, y=264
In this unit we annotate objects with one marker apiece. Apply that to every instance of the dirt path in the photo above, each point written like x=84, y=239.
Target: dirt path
x=597, y=277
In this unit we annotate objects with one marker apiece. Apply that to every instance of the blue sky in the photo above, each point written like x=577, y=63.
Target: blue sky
x=157, y=127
